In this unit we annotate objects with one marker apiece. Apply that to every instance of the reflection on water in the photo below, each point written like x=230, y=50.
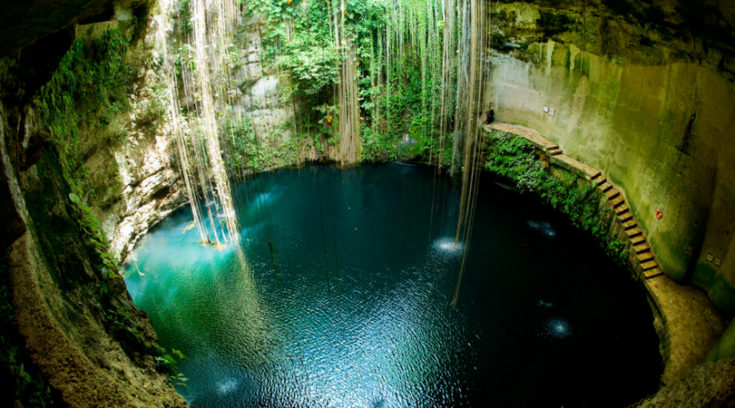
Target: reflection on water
x=448, y=245
x=343, y=300
x=542, y=227
x=557, y=329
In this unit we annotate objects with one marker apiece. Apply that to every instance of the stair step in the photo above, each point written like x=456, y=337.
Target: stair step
x=620, y=209
x=641, y=248
x=616, y=201
x=606, y=186
x=644, y=257
x=555, y=152
x=597, y=178
x=612, y=194
x=652, y=273
x=649, y=265
x=637, y=239
x=601, y=180
x=629, y=224
x=635, y=232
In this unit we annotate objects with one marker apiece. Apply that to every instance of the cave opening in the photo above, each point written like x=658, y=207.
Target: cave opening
x=306, y=201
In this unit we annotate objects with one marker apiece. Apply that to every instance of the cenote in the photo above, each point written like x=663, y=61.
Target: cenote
x=345, y=301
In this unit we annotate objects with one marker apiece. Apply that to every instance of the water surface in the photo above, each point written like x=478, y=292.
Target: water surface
x=345, y=300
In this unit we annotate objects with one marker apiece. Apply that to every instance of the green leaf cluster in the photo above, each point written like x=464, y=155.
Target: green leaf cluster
x=167, y=362
x=311, y=64
x=242, y=144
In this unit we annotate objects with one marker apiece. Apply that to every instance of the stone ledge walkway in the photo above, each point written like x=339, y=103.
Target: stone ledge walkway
x=691, y=325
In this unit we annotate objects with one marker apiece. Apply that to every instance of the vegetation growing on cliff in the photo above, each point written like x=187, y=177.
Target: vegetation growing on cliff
x=514, y=158
x=396, y=50
x=85, y=106
x=86, y=94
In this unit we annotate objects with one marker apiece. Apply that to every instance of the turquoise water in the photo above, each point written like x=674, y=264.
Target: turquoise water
x=344, y=302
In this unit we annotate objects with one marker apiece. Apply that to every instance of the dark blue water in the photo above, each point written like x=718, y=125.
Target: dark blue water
x=344, y=302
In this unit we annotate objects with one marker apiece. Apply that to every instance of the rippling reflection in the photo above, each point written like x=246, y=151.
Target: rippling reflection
x=345, y=301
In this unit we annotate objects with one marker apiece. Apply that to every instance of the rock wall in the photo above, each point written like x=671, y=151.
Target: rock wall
x=135, y=183
x=76, y=324
x=258, y=89
x=263, y=99
x=655, y=116
x=80, y=327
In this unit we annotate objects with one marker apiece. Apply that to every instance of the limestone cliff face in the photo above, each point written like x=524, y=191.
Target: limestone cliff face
x=79, y=325
x=76, y=325
x=135, y=183
x=272, y=117
x=258, y=90
x=649, y=98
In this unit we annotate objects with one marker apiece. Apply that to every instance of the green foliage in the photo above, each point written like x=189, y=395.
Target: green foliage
x=397, y=58
x=311, y=64
x=153, y=109
x=300, y=44
x=246, y=152
x=184, y=18
x=89, y=89
x=397, y=51
x=377, y=146
x=514, y=158
x=95, y=239
x=123, y=327
x=291, y=23
x=242, y=145
x=167, y=362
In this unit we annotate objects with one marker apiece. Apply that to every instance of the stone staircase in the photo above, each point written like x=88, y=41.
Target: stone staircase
x=645, y=261
x=642, y=258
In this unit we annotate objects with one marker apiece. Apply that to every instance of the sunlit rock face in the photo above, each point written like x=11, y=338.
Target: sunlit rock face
x=259, y=91
x=645, y=93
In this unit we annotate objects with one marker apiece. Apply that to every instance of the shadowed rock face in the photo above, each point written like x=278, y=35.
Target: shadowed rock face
x=22, y=22
x=626, y=31
x=709, y=385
